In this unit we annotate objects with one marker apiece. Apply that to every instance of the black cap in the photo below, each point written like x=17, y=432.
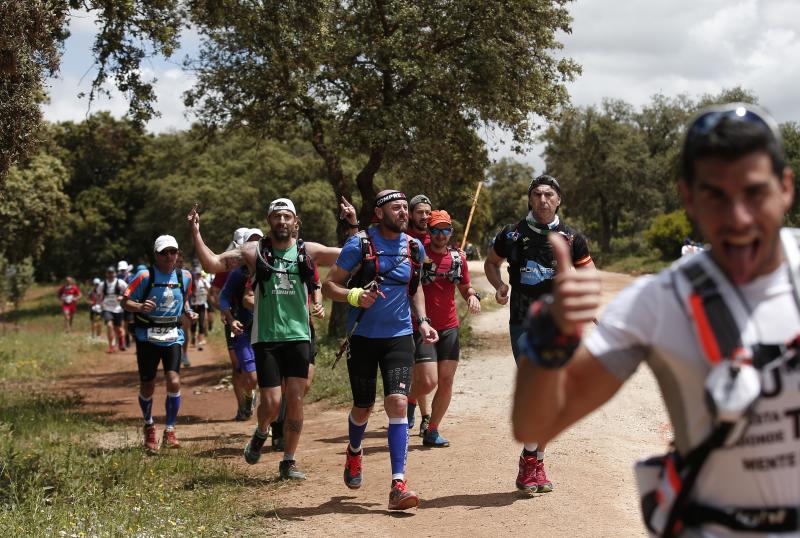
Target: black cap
x=419, y=199
x=544, y=179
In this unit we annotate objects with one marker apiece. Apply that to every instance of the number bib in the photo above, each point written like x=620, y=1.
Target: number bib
x=68, y=299
x=110, y=302
x=162, y=334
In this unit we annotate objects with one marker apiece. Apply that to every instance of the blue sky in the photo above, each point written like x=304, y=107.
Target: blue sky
x=629, y=49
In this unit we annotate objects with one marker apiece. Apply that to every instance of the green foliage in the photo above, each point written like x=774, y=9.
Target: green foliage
x=508, y=194
x=667, y=232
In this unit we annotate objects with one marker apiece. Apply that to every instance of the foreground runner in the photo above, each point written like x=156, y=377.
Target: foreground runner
x=531, y=267
x=110, y=292
x=283, y=272
x=69, y=294
x=380, y=326
x=698, y=325
x=159, y=298
x=435, y=364
x=419, y=209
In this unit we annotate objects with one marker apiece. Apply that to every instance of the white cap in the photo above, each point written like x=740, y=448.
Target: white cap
x=279, y=204
x=122, y=266
x=239, y=237
x=96, y=281
x=253, y=231
x=164, y=241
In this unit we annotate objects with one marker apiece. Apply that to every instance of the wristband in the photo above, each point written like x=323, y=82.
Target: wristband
x=353, y=296
x=545, y=345
x=423, y=318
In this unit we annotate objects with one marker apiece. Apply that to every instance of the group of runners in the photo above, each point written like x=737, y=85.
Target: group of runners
x=719, y=329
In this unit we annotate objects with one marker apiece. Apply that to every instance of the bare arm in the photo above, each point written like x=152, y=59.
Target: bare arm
x=323, y=255
x=546, y=402
x=334, y=286
x=217, y=263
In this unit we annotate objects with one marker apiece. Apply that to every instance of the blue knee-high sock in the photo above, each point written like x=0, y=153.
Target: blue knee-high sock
x=172, y=405
x=147, y=408
x=356, y=433
x=398, y=446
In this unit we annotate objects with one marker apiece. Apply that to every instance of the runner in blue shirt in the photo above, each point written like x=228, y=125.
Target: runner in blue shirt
x=379, y=324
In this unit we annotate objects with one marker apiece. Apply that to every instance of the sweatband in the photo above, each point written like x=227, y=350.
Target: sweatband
x=389, y=197
x=353, y=295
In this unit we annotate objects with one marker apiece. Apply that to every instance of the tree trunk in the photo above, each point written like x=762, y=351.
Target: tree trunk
x=605, y=225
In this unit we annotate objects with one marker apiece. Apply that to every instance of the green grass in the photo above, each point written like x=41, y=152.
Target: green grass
x=636, y=264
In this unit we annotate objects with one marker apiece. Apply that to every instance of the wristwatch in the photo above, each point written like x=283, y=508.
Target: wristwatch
x=476, y=295
x=424, y=318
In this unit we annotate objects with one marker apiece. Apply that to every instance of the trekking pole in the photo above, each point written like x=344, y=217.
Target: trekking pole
x=471, y=212
x=372, y=286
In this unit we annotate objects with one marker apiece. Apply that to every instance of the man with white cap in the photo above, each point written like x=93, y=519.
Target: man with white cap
x=158, y=297
x=283, y=274
x=110, y=291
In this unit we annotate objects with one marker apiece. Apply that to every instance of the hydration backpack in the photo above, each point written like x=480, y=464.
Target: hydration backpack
x=454, y=275
x=265, y=265
x=370, y=265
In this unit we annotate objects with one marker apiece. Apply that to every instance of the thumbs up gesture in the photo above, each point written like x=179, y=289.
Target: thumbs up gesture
x=576, y=294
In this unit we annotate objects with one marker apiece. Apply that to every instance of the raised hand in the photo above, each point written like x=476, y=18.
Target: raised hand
x=347, y=211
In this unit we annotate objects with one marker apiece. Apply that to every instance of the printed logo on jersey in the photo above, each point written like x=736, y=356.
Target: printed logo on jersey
x=534, y=273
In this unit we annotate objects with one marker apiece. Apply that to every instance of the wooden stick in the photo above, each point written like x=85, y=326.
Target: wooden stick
x=471, y=212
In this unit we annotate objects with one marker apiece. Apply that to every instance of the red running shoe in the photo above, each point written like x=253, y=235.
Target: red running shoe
x=402, y=498
x=526, y=478
x=169, y=440
x=545, y=486
x=150, y=440
x=352, y=469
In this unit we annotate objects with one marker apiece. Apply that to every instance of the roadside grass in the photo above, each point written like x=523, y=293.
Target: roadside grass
x=636, y=264
x=56, y=481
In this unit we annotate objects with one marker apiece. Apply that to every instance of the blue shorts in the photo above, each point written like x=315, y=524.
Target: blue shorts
x=245, y=357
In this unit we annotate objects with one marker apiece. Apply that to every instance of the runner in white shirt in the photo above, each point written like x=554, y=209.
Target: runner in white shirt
x=110, y=293
x=731, y=474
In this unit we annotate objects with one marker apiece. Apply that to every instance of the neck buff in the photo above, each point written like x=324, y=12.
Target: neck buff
x=389, y=197
x=541, y=229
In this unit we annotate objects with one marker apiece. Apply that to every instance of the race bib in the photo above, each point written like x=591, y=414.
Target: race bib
x=110, y=302
x=97, y=308
x=162, y=334
x=68, y=298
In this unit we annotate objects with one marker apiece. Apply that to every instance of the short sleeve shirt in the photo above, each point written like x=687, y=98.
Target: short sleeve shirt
x=390, y=316
x=169, y=299
x=110, y=293
x=531, y=264
x=647, y=323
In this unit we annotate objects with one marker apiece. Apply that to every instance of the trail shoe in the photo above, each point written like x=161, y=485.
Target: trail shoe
x=169, y=440
x=252, y=451
x=545, y=486
x=150, y=439
x=402, y=498
x=410, y=413
x=278, y=444
x=526, y=479
x=288, y=471
x=432, y=438
x=240, y=416
x=352, y=469
x=423, y=426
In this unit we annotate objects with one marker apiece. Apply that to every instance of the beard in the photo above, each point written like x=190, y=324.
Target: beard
x=395, y=226
x=281, y=235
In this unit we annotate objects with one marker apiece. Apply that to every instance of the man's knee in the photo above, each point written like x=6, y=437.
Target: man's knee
x=361, y=414
x=395, y=405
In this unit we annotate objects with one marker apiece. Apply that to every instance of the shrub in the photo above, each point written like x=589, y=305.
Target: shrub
x=667, y=232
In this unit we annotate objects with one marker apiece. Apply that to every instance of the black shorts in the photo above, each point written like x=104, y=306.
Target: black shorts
x=149, y=355
x=114, y=317
x=394, y=356
x=228, y=338
x=447, y=348
x=278, y=360
x=94, y=315
x=128, y=317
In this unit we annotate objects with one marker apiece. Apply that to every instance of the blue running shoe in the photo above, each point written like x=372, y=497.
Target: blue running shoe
x=252, y=451
x=411, y=409
x=432, y=438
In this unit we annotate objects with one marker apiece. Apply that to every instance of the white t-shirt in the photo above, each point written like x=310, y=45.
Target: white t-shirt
x=200, y=294
x=110, y=293
x=647, y=323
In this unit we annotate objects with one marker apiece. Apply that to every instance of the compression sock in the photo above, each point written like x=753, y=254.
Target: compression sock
x=398, y=446
x=530, y=449
x=540, y=455
x=355, y=432
x=172, y=406
x=147, y=408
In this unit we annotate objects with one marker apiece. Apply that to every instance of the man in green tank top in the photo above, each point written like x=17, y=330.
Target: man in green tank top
x=282, y=273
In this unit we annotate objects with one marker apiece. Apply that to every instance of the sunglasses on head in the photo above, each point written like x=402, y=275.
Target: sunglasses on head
x=707, y=121
x=437, y=231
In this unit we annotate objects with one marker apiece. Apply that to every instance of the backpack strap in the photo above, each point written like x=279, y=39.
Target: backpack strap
x=456, y=272
x=416, y=266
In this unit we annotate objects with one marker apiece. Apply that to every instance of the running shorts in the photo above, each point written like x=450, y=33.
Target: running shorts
x=114, y=317
x=149, y=355
x=278, y=360
x=94, y=314
x=395, y=358
x=245, y=357
x=447, y=348
x=69, y=308
x=312, y=355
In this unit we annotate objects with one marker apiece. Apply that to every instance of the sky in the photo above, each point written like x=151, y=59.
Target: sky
x=628, y=49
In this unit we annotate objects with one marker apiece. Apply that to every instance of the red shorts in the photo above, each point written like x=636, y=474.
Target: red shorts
x=69, y=308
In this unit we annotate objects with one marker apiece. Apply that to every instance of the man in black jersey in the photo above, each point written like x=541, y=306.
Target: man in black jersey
x=531, y=268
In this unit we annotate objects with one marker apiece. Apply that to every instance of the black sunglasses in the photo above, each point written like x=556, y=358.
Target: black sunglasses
x=708, y=120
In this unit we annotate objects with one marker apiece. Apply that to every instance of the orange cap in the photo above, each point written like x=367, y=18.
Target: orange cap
x=438, y=217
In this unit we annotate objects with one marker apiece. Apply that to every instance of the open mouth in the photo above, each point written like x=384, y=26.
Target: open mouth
x=741, y=255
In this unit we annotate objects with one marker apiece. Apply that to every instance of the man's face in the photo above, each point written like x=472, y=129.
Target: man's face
x=282, y=223
x=739, y=207
x=544, y=200
x=394, y=215
x=440, y=235
x=420, y=217
x=110, y=275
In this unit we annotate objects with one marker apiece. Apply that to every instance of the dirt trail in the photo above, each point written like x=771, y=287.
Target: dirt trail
x=467, y=489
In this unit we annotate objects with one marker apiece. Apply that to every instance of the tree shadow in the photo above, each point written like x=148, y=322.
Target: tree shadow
x=337, y=505
x=477, y=501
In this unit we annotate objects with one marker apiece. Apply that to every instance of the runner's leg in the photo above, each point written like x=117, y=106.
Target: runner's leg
x=444, y=391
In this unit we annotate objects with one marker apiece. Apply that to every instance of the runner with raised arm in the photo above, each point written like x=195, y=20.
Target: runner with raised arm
x=383, y=336
x=719, y=329
x=531, y=268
